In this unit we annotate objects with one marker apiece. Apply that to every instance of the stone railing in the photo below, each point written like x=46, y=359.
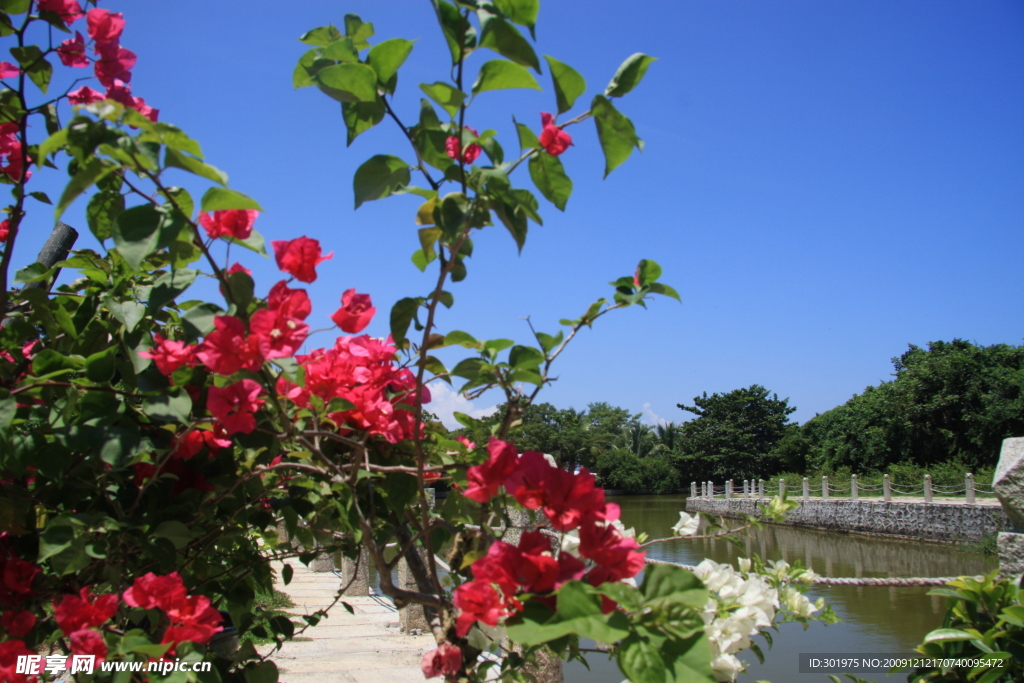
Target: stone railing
x=756, y=489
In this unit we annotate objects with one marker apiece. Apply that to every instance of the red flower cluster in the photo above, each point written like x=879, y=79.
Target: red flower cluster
x=443, y=661
x=553, y=139
x=79, y=615
x=299, y=257
x=113, y=64
x=453, y=144
x=235, y=223
x=355, y=313
x=12, y=162
x=10, y=650
x=8, y=70
x=169, y=355
x=192, y=619
x=360, y=370
x=570, y=501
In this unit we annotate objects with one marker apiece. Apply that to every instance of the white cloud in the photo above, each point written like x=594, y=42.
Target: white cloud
x=651, y=417
x=445, y=402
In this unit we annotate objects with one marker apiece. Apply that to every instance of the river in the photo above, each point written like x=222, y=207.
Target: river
x=875, y=619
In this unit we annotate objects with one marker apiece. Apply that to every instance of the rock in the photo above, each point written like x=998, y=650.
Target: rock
x=1008, y=481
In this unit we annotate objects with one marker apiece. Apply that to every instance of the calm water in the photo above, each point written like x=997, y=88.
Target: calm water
x=875, y=619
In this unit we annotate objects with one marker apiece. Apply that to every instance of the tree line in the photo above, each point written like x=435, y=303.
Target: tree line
x=952, y=403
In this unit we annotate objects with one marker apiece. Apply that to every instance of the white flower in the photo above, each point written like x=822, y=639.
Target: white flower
x=760, y=597
x=571, y=543
x=621, y=528
x=798, y=603
x=744, y=563
x=726, y=667
x=686, y=526
x=717, y=577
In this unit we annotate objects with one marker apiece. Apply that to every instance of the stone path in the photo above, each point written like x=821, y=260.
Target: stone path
x=364, y=647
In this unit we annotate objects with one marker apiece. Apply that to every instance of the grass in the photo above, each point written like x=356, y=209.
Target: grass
x=266, y=606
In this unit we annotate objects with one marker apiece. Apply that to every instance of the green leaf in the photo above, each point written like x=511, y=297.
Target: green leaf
x=88, y=173
x=221, y=198
x=175, y=532
x=179, y=197
x=198, y=320
x=665, y=583
x=549, y=176
x=169, y=286
x=615, y=132
x=291, y=370
x=664, y=290
x=448, y=97
x=34, y=272
x=499, y=74
x=628, y=75
x=402, y=315
x=34, y=64
x=40, y=196
x=360, y=117
x=137, y=232
x=358, y=30
x=349, y=82
x=513, y=220
x=343, y=50
x=525, y=357
x=264, y=672
x=380, y=176
x=325, y=35
x=129, y=313
x=55, y=539
x=102, y=211
x=527, y=138
x=522, y=12
x=8, y=408
x=568, y=83
x=387, y=57
x=648, y=272
x=505, y=39
x=286, y=573
x=947, y=634
x=52, y=144
x=458, y=32
x=172, y=406
x=462, y=339
x=99, y=367
x=640, y=661
x=176, y=159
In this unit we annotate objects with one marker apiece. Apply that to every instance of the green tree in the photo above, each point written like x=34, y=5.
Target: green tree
x=733, y=433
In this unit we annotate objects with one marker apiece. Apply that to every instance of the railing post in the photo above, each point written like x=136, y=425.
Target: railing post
x=969, y=486
x=693, y=489
x=746, y=488
x=760, y=488
x=782, y=487
x=728, y=489
x=824, y=488
x=703, y=489
x=927, y=488
x=853, y=487
x=807, y=489
x=887, y=488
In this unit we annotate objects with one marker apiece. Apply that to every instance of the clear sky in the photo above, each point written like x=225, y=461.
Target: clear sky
x=823, y=183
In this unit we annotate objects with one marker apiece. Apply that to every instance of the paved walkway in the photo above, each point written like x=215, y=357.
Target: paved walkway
x=365, y=647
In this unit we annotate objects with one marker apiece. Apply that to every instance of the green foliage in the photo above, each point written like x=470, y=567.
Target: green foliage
x=954, y=401
x=984, y=622
x=733, y=435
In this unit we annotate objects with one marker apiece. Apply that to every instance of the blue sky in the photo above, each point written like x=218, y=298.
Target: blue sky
x=823, y=183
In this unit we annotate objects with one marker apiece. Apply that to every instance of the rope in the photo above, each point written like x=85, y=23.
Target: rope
x=854, y=581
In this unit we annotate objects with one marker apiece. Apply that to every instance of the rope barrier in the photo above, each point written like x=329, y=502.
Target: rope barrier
x=855, y=581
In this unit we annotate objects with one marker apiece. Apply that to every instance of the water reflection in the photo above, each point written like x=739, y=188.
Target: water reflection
x=876, y=619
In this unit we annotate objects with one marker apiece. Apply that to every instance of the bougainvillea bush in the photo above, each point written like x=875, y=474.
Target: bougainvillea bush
x=159, y=453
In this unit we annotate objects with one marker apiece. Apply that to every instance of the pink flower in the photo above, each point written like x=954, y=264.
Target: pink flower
x=75, y=612
x=477, y=601
x=121, y=92
x=72, y=52
x=465, y=442
x=453, y=143
x=486, y=479
x=89, y=642
x=293, y=303
x=151, y=591
x=299, y=257
x=5, y=229
x=227, y=349
x=446, y=660
x=276, y=334
x=235, y=223
x=18, y=624
x=239, y=268
x=10, y=651
x=85, y=95
x=68, y=10
x=234, y=405
x=170, y=355
x=355, y=312
x=115, y=64
x=8, y=70
x=104, y=26
x=553, y=139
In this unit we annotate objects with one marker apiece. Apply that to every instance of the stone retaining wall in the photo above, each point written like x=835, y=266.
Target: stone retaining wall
x=929, y=521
